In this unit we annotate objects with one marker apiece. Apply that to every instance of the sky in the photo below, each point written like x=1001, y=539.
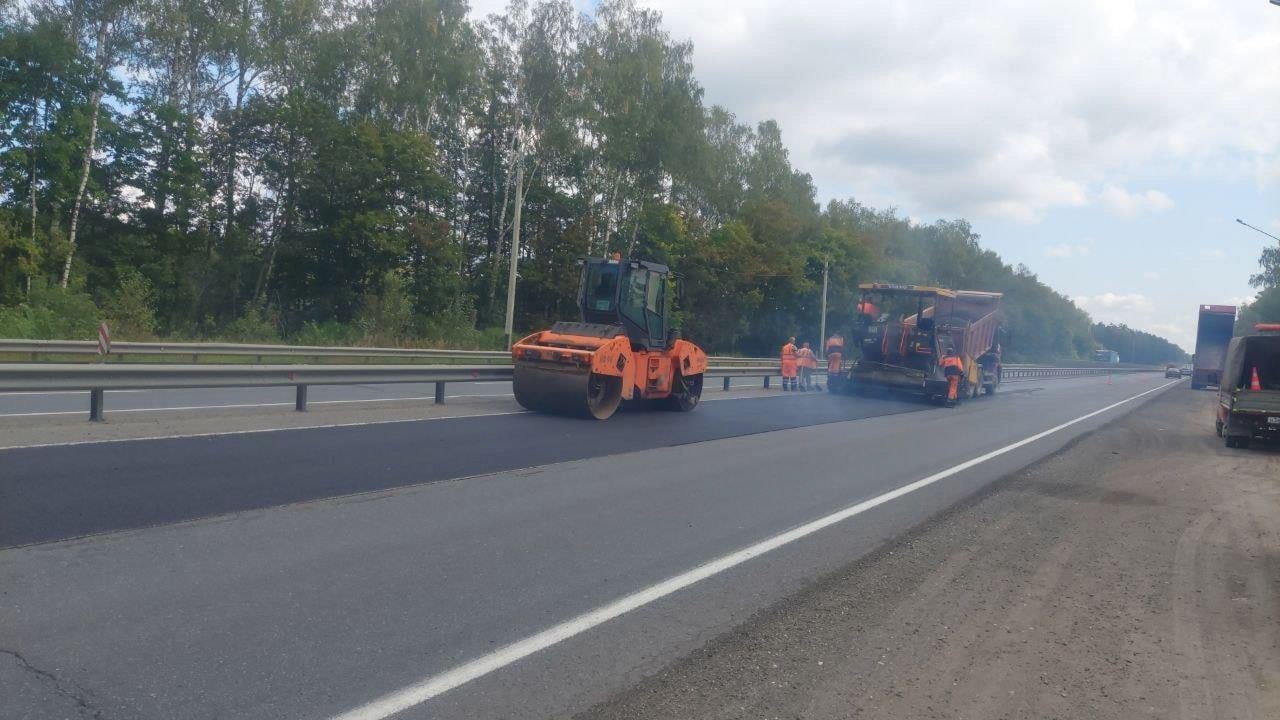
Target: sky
x=1109, y=145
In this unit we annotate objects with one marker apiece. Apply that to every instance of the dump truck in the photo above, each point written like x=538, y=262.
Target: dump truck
x=1213, y=332
x=1249, y=389
x=623, y=349
x=901, y=332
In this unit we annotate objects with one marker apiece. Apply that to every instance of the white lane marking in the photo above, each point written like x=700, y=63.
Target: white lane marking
x=261, y=430
x=63, y=392
x=430, y=687
x=250, y=405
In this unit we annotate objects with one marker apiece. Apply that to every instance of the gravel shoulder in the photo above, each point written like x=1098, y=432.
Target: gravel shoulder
x=1134, y=574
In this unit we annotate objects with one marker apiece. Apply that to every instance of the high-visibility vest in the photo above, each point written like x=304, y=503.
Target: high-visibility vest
x=834, y=344
x=952, y=361
x=788, y=352
x=807, y=358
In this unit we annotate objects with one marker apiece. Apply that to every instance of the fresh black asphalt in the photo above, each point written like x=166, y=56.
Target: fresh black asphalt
x=55, y=493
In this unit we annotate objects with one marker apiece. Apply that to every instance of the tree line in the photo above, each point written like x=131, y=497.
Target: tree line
x=350, y=171
x=1265, y=307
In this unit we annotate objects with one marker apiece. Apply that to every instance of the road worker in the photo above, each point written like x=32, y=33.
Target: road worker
x=789, y=364
x=835, y=355
x=807, y=363
x=953, y=368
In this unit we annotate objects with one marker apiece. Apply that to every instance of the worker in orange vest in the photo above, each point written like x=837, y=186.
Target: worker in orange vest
x=808, y=362
x=953, y=368
x=835, y=354
x=789, y=364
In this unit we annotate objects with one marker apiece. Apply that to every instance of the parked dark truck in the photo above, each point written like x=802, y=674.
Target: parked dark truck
x=1217, y=325
x=1249, y=392
x=901, y=332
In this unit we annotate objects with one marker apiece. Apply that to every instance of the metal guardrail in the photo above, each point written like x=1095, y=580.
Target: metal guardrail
x=1014, y=373
x=97, y=378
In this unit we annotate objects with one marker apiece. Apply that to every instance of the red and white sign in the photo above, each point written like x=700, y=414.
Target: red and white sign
x=104, y=339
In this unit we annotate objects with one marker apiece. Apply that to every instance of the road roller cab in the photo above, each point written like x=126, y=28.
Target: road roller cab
x=623, y=349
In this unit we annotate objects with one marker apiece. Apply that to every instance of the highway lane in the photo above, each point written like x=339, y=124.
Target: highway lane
x=53, y=493
x=315, y=608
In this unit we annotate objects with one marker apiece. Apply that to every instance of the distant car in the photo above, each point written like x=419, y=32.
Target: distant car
x=1186, y=371
x=1172, y=371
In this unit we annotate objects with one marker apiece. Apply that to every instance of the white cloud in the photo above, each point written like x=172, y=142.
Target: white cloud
x=1067, y=250
x=1114, y=303
x=1002, y=109
x=1176, y=324
x=1121, y=202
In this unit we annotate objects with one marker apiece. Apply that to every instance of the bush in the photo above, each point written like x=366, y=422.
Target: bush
x=131, y=310
x=328, y=333
x=252, y=327
x=385, y=319
x=51, y=313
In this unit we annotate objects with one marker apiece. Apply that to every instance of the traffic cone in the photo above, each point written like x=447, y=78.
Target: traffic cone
x=1254, y=384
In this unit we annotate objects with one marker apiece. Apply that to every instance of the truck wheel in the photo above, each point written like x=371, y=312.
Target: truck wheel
x=1236, y=441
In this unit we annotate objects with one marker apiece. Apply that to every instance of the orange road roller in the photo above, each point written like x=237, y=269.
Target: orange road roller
x=624, y=348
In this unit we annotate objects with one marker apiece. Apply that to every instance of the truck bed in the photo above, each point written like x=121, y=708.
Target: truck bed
x=1257, y=402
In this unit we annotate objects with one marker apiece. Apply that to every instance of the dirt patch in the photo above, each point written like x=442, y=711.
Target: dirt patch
x=1134, y=574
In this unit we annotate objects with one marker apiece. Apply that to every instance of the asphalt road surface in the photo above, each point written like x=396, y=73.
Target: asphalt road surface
x=308, y=573
x=1133, y=575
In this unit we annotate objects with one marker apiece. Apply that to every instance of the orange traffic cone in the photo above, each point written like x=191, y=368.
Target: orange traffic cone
x=1254, y=384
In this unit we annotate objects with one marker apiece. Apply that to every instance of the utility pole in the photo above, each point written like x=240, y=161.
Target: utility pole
x=822, y=324
x=515, y=247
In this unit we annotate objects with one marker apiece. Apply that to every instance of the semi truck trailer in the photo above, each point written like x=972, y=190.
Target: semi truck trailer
x=1213, y=333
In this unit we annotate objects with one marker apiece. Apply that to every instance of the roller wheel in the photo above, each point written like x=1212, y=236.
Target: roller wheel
x=604, y=394
x=685, y=392
x=567, y=391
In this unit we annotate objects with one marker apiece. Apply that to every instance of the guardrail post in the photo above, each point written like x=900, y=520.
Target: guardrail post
x=95, y=405
x=300, y=400
x=726, y=383
x=439, y=393
x=766, y=382
x=194, y=358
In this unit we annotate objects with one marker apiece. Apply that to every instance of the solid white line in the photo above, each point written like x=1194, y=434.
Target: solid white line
x=434, y=685
x=262, y=430
x=250, y=405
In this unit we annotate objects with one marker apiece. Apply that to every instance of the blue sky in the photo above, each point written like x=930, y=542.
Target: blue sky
x=1109, y=145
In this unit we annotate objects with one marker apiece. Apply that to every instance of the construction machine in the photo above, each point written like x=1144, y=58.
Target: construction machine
x=901, y=333
x=623, y=349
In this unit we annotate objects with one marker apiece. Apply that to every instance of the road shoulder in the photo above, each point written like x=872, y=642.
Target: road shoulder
x=1133, y=574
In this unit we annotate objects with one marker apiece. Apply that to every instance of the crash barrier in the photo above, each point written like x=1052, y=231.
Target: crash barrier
x=34, y=350
x=97, y=378
x=1013, y=373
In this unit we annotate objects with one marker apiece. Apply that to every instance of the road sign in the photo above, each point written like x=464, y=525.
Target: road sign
x=104, y=339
